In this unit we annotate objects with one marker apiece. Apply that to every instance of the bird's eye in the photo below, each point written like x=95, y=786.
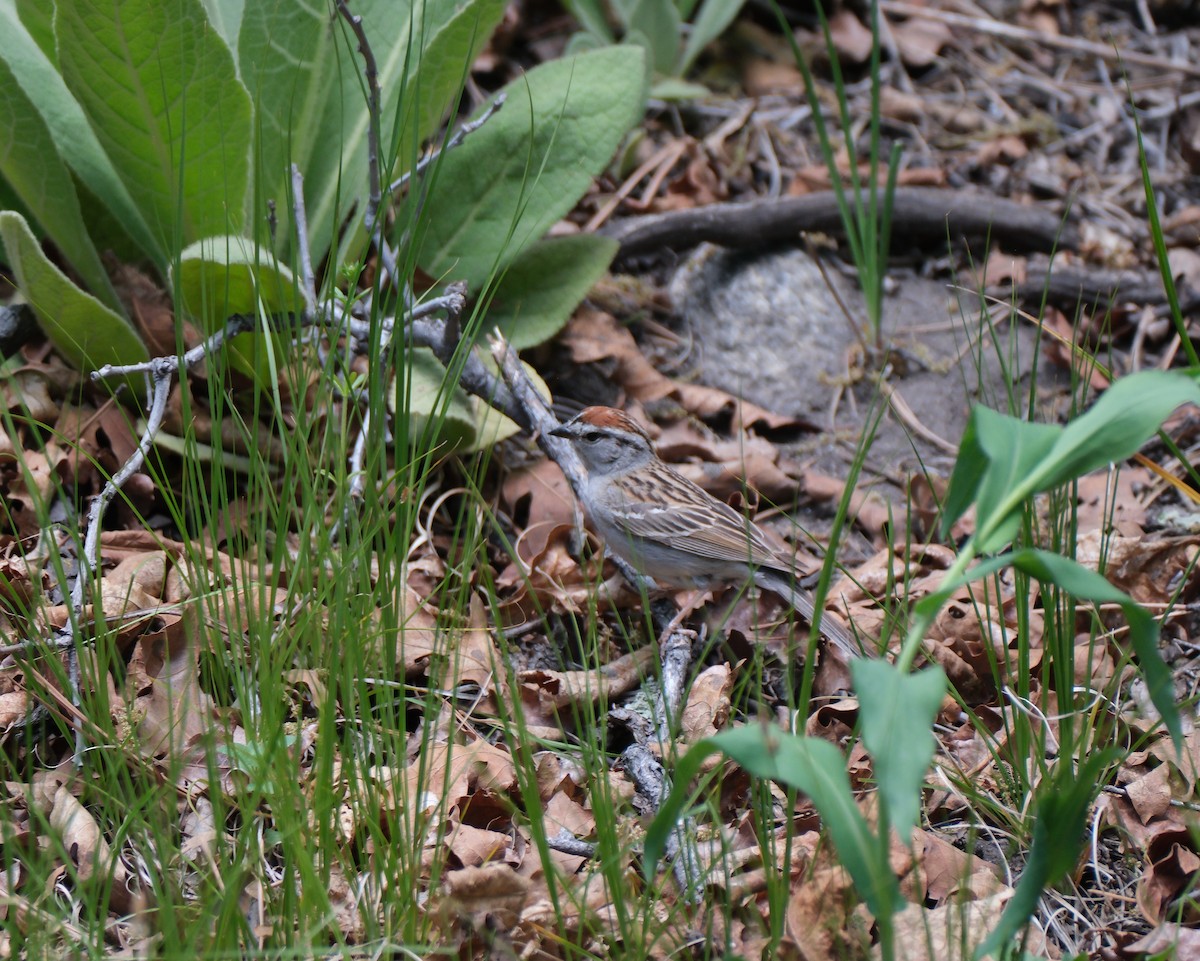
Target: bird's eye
x=592, y=436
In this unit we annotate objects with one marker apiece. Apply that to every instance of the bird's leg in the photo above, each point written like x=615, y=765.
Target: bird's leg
x=695, y=600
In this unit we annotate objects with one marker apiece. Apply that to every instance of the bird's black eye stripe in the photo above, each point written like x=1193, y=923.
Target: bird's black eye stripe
x=592, y=436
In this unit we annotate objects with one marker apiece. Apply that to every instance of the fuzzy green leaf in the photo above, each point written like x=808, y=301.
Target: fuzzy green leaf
x=85, y=332
x=808, y=764
x=218, y=277
x=30, y=163
x=898, y=711
x=528, y=165
x=73, y=135
x=286, y=58
x=160, y=89
x=444, y=417
x=422, y=52
x=541, y=287
x=710, y=23
x=658, y=23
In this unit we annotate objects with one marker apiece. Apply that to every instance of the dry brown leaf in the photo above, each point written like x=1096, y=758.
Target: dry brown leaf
x=1168, y=940
x=1172, y=868
x=1101, y=505
x=553, y=691
x=920, y=40
x=821, y=916
x=558, y=774
x=86, y=846
x=708, y=705
x=726, y=467
x=176, y=712
x=14, y=709
x=1151, y=794
x=150, y=308
x=490, y=891
x=952, y=875
x=851, y=37
x=1150, y=569
x=953, y=930
x=418, y=639
x=473, y=846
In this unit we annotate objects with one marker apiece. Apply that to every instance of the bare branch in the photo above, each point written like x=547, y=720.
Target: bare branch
x=371, y=219
x=460, y=135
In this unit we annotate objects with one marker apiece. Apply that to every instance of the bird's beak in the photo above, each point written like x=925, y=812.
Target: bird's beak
x=562, y=430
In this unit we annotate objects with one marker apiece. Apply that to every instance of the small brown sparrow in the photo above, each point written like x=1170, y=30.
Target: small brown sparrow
x=670, y=529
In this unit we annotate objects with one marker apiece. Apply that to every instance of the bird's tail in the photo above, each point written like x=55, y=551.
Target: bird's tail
x=831, y=629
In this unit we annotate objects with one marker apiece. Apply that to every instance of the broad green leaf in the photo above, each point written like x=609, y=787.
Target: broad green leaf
x=82, y=329
x=218, y=277
x=38, y=18
x=1003, y=460
x=808, y=764
x=1082, y=582
x=898, y=711
x=160, y=88
x=286, y=60
x=31, y=165
x=967, y=476
x=422, y=51
x=1015, y=449
x=527, y=166
x=441, y=417
x=226, y=17
x=447, y=46
x=1127, y=415
x=996, y=456
x=73, y=135
x=545, y=282
x=582, y=43
x=658, y=22
x=674, y=89
x=444, y=417
x=1059, y=833
x=710, y=23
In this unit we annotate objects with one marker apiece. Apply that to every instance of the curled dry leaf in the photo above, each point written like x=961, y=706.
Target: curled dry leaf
x=822, y=917
x=474, y=846
x=558, y=774
x=1172, y=866
x=953, y=930
x=726, y=467
x=491, y=891
x=950, y=875
x=86, y=846
x=708, y=704
x=1150, y=569
x=1168, y=940
x=552, y=691
x=920, y=40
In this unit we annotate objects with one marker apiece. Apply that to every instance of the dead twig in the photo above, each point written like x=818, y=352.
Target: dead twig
x=920, y=216
x=460, y=135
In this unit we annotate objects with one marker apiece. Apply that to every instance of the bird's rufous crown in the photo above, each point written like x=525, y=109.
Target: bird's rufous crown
x=610, y=418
